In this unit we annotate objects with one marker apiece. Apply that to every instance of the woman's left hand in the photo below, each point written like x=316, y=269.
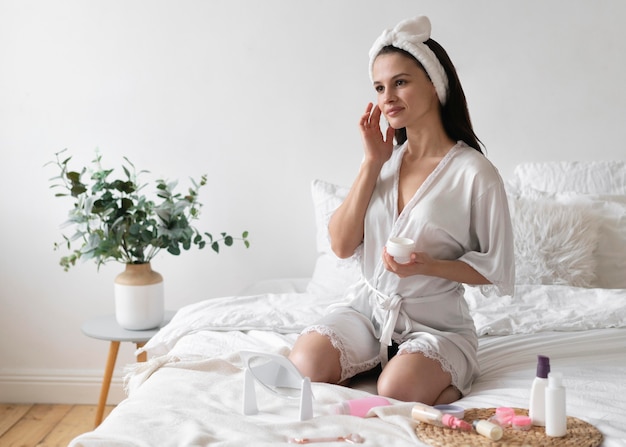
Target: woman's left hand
x=418, y=265
x=423, y=264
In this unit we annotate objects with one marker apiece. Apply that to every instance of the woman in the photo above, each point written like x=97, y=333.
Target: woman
x=437, y=188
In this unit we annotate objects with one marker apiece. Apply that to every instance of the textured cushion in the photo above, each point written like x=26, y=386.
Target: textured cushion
x=610, y=212
x=554, y=243
x=331, y=276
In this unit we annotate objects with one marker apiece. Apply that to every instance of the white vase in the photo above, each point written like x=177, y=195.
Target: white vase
x=139, y=298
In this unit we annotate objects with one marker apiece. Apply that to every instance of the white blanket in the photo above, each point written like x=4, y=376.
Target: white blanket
x=534, y=308
x=191, y=391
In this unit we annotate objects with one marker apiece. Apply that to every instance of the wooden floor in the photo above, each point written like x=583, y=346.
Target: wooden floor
x=41, y=425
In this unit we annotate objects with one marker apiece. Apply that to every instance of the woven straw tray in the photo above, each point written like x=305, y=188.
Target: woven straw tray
x=579, y=434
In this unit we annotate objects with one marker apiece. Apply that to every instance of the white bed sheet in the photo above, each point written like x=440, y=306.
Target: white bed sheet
x=190, y=392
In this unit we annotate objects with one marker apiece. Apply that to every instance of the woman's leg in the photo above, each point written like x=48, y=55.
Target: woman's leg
x=316, y=358
x=413, y=377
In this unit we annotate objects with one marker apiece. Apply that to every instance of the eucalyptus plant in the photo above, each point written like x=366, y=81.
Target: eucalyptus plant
x=113, y=219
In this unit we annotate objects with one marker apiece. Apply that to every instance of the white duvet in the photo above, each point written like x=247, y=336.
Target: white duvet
x=190, y=392
x=533, y=309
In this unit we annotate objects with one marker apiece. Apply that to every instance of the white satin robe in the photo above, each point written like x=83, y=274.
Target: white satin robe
x=460, y=213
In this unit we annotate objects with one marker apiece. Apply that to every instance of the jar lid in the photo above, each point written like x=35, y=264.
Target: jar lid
x=521, y=422
x=452, y=410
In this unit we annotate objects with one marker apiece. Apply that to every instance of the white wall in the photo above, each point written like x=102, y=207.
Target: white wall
x=263, y=96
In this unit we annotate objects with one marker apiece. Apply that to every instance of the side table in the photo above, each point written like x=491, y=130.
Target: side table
x=106, y=328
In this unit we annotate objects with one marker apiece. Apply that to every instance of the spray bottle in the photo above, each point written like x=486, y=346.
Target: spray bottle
x=537, y=405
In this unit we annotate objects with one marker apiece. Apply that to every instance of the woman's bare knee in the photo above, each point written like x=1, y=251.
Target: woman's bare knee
x=316, y=358
x=412, y=377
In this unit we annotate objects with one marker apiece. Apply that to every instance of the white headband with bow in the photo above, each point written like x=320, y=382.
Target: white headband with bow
x=410, y=35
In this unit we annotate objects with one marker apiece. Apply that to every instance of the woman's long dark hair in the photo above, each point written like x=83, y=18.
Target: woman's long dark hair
x=454, y=114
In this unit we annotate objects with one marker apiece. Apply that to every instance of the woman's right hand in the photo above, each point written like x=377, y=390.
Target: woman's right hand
x=346, y=226
x=378, y=148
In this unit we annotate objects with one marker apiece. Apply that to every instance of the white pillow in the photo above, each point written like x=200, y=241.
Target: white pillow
x=332, y=275
x=610, y=211
x=591, y=177
x=554, y=243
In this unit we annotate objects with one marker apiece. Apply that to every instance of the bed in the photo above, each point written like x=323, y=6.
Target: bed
x=569, y=304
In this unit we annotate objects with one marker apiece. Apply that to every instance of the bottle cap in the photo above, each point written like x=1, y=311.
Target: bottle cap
x=450, y=421
x=488, y=429
x=555, y=379
x=543, y=366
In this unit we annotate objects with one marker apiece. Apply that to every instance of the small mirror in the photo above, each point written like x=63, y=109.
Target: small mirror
x=277, y=375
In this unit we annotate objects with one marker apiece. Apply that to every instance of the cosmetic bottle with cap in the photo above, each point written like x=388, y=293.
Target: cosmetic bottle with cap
x=488, y=430
x=556, y=416
x=360, y=407
x=430, y=415
x=537, y=405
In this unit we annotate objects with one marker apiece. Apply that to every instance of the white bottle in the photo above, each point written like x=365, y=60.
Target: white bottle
x=537, y=405
x=556, y=416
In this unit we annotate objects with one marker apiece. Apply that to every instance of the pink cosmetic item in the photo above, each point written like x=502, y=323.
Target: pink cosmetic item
x=523, y=423
x=360, y=407
x=430, y=415
x=452, y=422
x=503, y=416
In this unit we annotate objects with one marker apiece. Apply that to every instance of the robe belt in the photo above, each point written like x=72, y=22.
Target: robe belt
x=392, y=304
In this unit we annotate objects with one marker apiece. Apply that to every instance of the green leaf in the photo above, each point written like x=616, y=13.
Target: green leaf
x=78, y=189
x=126, y=204
x=73, y=176
x=134, y=229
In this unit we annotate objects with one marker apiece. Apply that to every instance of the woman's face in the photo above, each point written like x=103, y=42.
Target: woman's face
x=406, y=96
